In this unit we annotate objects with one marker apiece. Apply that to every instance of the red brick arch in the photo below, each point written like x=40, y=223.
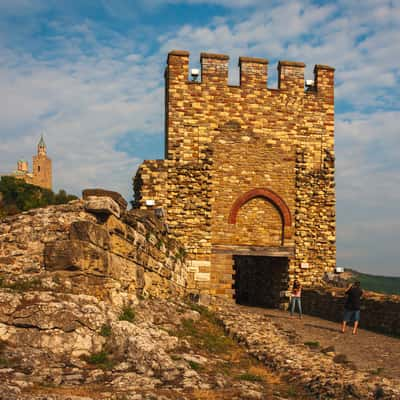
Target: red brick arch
x=276, y=200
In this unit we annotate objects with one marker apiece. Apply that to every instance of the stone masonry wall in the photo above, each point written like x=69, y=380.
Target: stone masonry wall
x=378, y=312
x=265, y=162
x=95, y=238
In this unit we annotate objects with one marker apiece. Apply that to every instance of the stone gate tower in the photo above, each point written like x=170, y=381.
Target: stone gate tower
x=247, y=184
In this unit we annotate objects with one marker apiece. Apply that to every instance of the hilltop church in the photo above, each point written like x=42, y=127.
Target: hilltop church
x=41, y=174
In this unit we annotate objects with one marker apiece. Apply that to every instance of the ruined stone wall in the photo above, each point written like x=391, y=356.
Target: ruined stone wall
x=95, y=238
x=378, y=312
x=183, y=193
x=270, y=154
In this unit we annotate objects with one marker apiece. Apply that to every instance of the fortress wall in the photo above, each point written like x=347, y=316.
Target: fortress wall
x=95, y=238
x=378, y=312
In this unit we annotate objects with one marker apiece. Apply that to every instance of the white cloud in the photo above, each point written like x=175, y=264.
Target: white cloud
x=88, y=93
x=84, y=105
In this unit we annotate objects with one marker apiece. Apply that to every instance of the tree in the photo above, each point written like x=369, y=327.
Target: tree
x=17, y=196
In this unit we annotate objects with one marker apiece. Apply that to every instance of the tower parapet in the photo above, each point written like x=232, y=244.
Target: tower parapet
x=214, y=68
x=291, y=76
x=253, y=72
x=324, y=78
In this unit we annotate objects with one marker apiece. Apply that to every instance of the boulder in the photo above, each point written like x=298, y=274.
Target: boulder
x=90, y=232
x=75, y=255
x=105, y=193
x=102, y=205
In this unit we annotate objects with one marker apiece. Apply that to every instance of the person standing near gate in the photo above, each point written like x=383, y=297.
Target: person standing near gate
x=296, y=297
x=352, y=306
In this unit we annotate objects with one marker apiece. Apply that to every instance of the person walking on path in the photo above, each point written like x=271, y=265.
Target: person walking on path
x=352, y=306
x=296, y=297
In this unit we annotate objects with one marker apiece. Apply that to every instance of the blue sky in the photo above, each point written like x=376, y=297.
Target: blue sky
x=89, y=73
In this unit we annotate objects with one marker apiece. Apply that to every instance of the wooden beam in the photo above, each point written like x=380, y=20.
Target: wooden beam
x=271, y=251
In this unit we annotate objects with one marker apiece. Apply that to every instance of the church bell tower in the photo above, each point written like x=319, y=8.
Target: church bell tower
x=42, y=170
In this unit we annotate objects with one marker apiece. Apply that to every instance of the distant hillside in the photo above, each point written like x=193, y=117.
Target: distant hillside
x=17, y=196
x=376, y=283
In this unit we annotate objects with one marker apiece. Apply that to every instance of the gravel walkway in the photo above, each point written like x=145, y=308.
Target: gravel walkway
x=368, y=351
x=314, y=353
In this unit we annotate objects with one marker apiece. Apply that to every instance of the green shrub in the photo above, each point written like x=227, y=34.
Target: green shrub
x=4, y=363
x=99, y=359
x=312, y=345
x=194, y=365
x=21, y=285
x=249, y=377
x=209, y=340
x=17, y=196
x=105, y=330
x=127, y=314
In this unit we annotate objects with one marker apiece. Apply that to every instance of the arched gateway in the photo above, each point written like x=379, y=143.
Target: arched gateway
x=247, y=185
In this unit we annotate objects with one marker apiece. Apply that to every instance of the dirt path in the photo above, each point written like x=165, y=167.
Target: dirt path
x=367, y=351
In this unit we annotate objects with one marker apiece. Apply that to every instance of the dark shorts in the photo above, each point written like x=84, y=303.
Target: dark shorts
x=351, y=315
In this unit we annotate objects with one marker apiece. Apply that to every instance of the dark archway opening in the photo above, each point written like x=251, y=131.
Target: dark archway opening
x=260, y=280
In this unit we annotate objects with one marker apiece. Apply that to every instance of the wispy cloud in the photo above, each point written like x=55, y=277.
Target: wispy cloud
x=91, y=76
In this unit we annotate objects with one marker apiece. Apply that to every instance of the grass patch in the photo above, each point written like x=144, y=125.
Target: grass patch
x=203, y=311
x=312, y=345
x=376, y=283
x=341, y=359
x=4, y=363
x=291, y=391
x=105, y=330
x=159, y=244
x=195, y=365
x=249, y=377
x=21, y=285
x=99, y=359
x=204, y=336
x=224, y=367
x=127, y=314
x=377, y=371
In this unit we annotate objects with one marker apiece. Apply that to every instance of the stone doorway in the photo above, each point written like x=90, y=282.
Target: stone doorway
x=259, y=280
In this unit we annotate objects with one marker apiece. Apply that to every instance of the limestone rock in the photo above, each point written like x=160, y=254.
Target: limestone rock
x=105, y=193
x=102, y=205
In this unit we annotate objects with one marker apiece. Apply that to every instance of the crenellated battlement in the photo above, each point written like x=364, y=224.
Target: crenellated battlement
x=253, y=73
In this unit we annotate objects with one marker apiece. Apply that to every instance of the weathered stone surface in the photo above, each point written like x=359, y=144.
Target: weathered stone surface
x=89, y=232
x=23, y=236
x=70, y=238
x=75, y=255
x=105, y=193
x=102, y=205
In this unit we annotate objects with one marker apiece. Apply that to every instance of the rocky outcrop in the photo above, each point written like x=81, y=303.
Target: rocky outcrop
x=71, y=277
x=96, y=238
